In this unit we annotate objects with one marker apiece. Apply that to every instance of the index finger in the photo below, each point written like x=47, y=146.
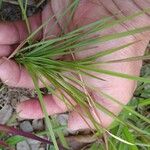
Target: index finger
x=15, y=32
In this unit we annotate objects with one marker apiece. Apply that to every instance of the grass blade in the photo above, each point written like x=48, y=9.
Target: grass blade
x=116, y=74
x=47, y=119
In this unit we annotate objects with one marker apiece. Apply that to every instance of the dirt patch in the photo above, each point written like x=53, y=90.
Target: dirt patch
x=11, y=11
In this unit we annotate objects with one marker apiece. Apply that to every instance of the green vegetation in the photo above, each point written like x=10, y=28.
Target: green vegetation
x=130, y=131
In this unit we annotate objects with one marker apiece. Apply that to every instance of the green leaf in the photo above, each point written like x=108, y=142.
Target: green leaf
x=116, y=74
x=47, y=119
x=24, y=9
x=14, y=140
x=59, y=132
x=129, y=137
x=1, y=1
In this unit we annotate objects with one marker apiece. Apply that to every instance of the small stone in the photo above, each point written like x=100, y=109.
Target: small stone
x=22, y=146
x=23, y=98
x=31, y=141
x=62, y=119
x=38, y=124
x=5, y=114
x=34, y=145
x=26, y=126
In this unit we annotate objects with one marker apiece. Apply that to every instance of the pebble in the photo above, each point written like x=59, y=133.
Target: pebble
x=5, y=114
x=26, y=126
x=34, y=145
x=31, y=141
x=38, y=124
x=63, y=120
x=22, y=146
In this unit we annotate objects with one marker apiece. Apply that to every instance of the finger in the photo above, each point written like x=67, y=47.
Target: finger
x=79, y=121
x=31, y=109
x=14, y=32
x=59, y=7
x=51, y=29
x=5, y=50
x=14, y=75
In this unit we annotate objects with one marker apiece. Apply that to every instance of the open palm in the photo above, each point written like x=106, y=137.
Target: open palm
x=11, y=34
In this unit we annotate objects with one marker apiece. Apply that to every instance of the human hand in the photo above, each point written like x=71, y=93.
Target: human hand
x=11, y=34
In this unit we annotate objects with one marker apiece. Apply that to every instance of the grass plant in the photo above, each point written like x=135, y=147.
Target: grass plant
x=39, y=60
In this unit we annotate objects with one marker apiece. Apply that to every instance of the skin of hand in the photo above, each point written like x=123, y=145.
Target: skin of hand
x=12, y=33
